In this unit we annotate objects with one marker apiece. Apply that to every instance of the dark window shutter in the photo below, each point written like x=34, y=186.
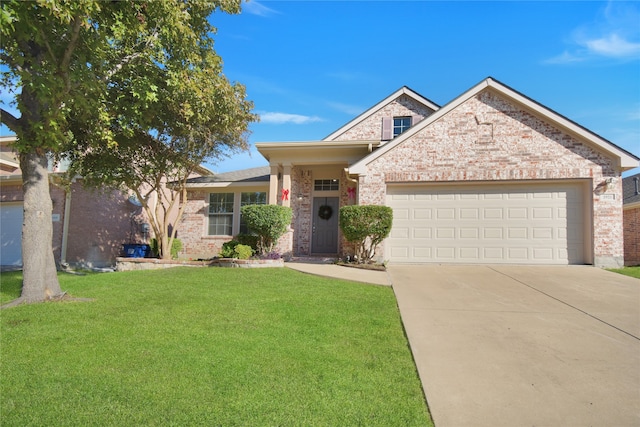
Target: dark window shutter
x=387, y=128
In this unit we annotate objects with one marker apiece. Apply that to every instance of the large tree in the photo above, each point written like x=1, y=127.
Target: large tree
x=168, y=112
x=87, y=76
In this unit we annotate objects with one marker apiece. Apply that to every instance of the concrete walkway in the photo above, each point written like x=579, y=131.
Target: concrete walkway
x=523, y=346
x=341, y=272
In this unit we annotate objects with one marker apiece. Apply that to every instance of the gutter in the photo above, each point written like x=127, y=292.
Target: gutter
x=65, y=226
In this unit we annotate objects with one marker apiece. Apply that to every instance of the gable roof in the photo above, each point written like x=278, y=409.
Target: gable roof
x=626, y=160
x=630, y=189
x=404, y=90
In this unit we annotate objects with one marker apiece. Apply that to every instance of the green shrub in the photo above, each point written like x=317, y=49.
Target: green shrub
x=234, y=249
x=243, y=251
x=176, y=247
x=229, y=249
x=268, y=222
x=249, y=240
x=366, y=226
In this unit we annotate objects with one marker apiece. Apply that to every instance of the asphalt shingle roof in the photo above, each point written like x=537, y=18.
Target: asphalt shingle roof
x=631, y=189
x=259, y=174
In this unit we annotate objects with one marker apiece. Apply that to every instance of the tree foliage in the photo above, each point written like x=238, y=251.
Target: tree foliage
x=169, y=109
x=268, y=222
x=366, y=226
x=91, y=77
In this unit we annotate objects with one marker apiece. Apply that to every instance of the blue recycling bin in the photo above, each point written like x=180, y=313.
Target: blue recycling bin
x=136, y=250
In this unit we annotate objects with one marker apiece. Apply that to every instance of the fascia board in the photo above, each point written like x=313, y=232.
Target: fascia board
x=202, y=170
x=228, y=184
x=6, y=140
x=10, y=179
x=9, y=163
x=632, y=205
x=297, y=152
x=402, y=91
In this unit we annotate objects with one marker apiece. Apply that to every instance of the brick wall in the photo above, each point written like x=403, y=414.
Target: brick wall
x=371, y=128
x=100, y=222
x=487, y=138
x=632, y=236
x=193, y=228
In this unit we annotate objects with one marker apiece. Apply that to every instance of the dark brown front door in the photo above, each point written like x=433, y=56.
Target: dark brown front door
x=325, y=225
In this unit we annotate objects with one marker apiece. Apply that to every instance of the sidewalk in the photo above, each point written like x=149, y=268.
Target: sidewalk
x=341, y=272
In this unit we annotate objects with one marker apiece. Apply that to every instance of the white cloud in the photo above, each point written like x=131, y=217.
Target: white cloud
x=254, y=7
x=283, y=118
x=615, y=33
x=613, y=45
x=566, y=58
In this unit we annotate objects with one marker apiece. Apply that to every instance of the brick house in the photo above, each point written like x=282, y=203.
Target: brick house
x=89, y=227
x=490, y=177
x=631, y=215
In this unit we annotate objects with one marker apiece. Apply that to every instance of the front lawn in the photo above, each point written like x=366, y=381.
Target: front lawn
x=628, y=271
x=208, y=346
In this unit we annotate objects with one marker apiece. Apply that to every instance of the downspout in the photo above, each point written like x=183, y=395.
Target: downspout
x=346, y=174
x=65, y=226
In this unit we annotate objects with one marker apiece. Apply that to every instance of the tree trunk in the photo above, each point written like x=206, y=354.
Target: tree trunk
x=40, y=280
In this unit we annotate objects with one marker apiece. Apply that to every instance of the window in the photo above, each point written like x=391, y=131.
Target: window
x=326, y=185
x=254, y=198
x=400, y=124
x=220, y=214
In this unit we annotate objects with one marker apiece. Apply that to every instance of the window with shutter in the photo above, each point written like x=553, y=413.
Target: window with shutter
x=400, y=124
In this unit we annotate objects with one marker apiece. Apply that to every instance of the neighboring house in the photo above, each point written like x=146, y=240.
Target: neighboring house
x=89, y=226
x=631, y=214
x=491, y=177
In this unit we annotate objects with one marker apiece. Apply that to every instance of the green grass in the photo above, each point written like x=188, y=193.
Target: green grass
x=628, y=271
x=208, y=346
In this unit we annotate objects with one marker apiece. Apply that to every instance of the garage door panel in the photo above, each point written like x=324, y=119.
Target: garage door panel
x=422, y=213
x=422, y=233
x=492, y=213
x=422, y=252
x=469, y=233
x=399, y=233
x=538, y=223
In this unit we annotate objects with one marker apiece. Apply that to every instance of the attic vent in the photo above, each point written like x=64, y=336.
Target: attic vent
x=635, y=180
x=485, y=133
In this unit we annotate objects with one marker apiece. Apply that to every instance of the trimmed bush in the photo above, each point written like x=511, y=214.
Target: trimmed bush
x=366, y=226
x=235, y=249
x=243, y=251
x=268, y=222
x=228, y=249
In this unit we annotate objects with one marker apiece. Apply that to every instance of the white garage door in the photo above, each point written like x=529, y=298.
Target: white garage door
x=11, y=234
x=517, y=224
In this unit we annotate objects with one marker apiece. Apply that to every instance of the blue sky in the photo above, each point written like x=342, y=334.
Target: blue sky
x=311, y=66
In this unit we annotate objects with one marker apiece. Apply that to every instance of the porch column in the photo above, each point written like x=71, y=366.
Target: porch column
x=286, y=185
x=273, y=185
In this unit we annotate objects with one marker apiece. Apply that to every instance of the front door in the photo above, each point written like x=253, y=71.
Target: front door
x=325, y=225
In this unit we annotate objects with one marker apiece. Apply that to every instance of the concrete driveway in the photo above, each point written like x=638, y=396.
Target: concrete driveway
x=523, y=346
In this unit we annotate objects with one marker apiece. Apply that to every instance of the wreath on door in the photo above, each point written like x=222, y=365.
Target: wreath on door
x=325, y=212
